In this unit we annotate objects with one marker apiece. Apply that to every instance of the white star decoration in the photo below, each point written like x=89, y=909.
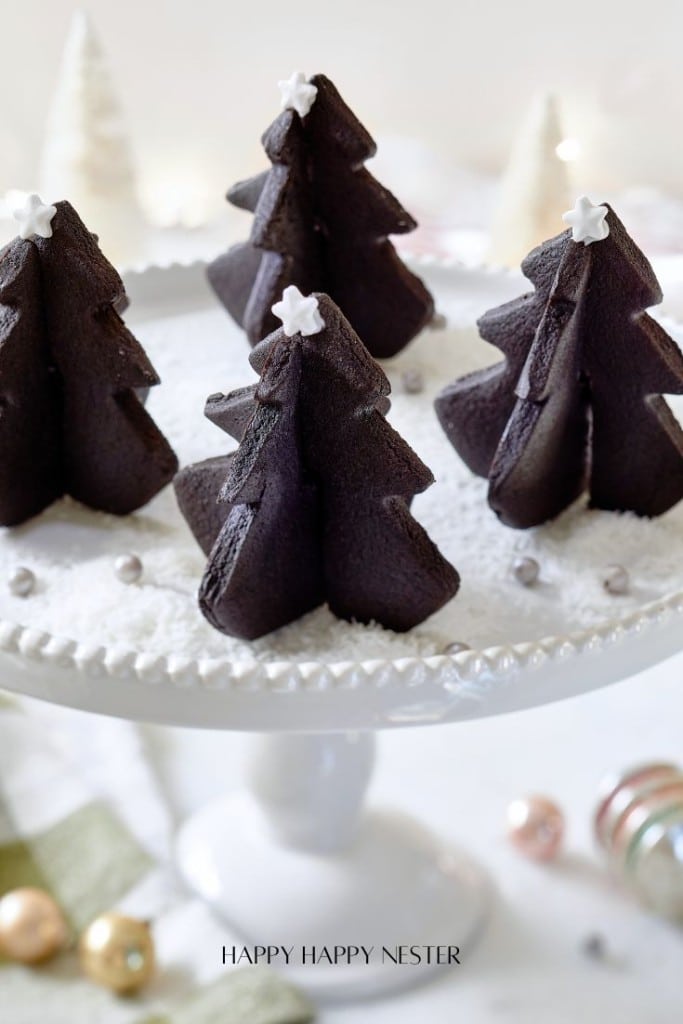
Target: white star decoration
x=299, y=314
x=297, y=93
x=588, y=222
x=34, y=217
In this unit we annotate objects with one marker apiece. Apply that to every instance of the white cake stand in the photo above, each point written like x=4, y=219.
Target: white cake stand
x=295, y=860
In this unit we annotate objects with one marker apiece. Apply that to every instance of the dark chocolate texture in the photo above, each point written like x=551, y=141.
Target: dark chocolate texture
x=321, y=222
x=316, y=503
x=72, y=422
x=576, y=404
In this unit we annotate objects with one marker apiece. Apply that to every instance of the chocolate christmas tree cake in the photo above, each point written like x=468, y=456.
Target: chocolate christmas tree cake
x=576, y=404
x=321, y=222
x=314, y=505
x=72, y=421
x=317, y=497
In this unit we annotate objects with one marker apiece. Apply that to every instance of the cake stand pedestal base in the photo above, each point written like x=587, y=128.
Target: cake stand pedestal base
x=295, y=863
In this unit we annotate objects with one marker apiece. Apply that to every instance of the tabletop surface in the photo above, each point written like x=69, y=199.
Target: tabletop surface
x=530, y=967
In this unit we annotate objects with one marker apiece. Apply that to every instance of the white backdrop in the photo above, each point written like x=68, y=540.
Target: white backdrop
x=198, y=79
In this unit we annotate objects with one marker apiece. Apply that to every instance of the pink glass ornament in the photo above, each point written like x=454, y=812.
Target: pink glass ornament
x=535, y=827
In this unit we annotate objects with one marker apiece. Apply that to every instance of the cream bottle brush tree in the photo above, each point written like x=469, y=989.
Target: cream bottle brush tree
x=86, y=156
x=535, y=188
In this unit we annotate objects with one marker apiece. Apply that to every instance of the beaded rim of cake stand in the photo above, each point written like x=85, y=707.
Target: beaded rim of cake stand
x=472, y=668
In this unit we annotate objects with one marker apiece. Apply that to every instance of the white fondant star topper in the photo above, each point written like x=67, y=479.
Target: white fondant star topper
x=297, y=93
x=34, y=217
x=588, y=222
x=299, y=313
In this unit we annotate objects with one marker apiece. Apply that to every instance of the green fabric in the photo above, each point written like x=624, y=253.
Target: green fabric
x=248, y=996
x=18, y=868
x=57, y=993
x=88, y=861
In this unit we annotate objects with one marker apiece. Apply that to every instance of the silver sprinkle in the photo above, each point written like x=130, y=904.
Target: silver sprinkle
x=412, y=381
x=594, y=946
x=438, y=322
x=128, y=568
x=21, y=581
x=457, y=647
x=526, y=570
x=615, y=579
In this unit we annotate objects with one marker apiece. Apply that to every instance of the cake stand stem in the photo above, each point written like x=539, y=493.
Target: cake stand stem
x=311, y=787
x=296, y=861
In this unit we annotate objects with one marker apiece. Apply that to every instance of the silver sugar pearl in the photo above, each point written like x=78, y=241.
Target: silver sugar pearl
x=21, y=581
x=412, y=381
x=128, y=568
x=457, y=647
x=438, y=322
x=615, y=579
x=526, y=570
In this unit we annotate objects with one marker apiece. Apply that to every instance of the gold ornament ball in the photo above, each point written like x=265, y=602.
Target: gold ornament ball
x=32, y=927
x=536, y=827
x=118, y=952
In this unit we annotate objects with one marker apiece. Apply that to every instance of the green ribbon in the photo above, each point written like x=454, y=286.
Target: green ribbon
x=88, y=861
x=247, y=996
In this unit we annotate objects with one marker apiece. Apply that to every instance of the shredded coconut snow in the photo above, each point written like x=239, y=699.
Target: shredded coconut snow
x=72, y=550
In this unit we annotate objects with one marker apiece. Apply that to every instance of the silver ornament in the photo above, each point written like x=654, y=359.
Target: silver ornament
x=526, y=570
x=615, y=579
x=21, y=581
x=128, y=568
x=412, y=381
x=457, y=647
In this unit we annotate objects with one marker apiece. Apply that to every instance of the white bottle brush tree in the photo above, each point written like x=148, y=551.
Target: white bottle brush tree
x=535, y=188
x=86, y=157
